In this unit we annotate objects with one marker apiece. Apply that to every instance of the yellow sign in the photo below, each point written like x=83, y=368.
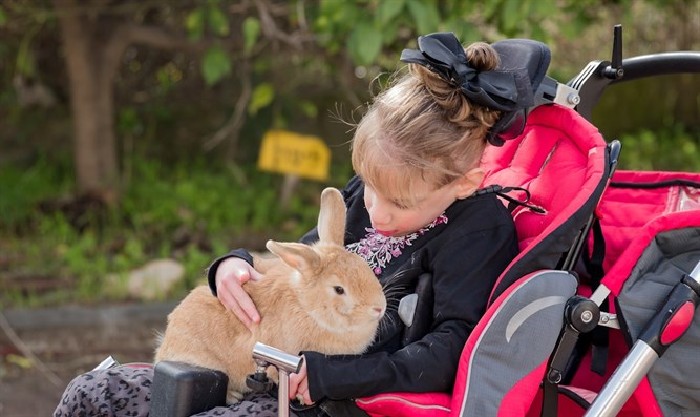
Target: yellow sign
x=294, y=153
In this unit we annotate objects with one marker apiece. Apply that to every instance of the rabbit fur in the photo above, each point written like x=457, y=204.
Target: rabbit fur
x=319, y=298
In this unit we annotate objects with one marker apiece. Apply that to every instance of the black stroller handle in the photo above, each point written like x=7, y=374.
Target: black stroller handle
x=665, y=63
x=594, y=78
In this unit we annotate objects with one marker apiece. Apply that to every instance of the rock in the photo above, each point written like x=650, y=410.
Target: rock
x=155, y=279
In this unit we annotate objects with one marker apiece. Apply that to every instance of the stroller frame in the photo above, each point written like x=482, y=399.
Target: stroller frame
x=675, y=315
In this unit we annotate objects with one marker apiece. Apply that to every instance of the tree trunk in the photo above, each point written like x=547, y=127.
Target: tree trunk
x=90, y=71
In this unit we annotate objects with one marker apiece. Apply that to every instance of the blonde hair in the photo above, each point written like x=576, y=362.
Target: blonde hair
x=422, y=128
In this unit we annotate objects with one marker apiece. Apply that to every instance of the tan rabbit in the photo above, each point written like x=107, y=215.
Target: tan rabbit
x=320, y=298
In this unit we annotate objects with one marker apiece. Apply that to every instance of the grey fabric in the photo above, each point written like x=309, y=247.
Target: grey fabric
x=126, y=392
x=674, y=377
x=519, y=337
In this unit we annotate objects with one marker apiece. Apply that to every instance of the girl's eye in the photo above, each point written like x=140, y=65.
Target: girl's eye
x=401, y=206
x=339, y=290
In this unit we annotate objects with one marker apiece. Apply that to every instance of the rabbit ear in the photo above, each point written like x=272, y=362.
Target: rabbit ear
x=331, y=217
x=297, y=255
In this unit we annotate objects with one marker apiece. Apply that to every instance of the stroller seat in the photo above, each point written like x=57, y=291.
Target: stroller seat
x=649, y=236
x=563, y=162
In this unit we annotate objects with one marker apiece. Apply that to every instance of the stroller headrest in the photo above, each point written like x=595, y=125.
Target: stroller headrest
x=517, y=55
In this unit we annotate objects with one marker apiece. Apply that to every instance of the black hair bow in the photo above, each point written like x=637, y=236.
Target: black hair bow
x=505, y=90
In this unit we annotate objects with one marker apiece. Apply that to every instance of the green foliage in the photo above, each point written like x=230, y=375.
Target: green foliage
x=216, y=64
x=191, y=212
x=670, y=149
x=3, y=17
x=218, y=21
x=262, y=96
x=194, y=210
x=209, y=16
x=365, y=43
x=425, y=14
x=23, y=188
x=195, y=23
x=251, y=32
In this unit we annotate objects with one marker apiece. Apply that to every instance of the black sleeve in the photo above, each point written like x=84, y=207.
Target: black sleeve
x=236, y=253
x=464, y=273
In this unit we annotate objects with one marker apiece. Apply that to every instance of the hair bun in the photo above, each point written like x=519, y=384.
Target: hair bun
x=482, y=56
x=450, y=96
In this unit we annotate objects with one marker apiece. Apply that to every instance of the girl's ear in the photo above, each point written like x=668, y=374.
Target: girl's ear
x=469, y=182
x=297, y=255
x=331, y=217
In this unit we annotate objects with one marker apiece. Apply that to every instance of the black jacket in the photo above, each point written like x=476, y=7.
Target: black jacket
x=459, y=258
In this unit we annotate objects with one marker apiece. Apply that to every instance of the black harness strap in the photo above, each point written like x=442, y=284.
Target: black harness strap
x=513, y=202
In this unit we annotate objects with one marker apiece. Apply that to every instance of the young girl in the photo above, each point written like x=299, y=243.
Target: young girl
x=413, y=208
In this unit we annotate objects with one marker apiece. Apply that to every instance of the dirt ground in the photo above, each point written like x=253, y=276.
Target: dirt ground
x=66, y=342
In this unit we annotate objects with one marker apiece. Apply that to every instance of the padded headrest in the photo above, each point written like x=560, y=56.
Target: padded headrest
x=518, y=54
x=561, y=159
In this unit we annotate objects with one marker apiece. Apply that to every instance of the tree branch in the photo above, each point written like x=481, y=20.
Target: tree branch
x=231, y=129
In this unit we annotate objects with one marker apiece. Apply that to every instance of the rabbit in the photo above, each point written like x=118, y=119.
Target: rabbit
x=312, y=297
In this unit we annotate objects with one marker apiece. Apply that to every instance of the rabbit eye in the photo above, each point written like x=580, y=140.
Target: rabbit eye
x=339, y=290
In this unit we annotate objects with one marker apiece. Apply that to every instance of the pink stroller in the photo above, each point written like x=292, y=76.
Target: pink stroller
x=640, y=261
x=543, y=347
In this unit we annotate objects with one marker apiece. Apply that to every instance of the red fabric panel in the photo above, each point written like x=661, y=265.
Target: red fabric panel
x=623, y=211
x=518, y=400
x=558, y=158
x=435, y=404
x=643, y=235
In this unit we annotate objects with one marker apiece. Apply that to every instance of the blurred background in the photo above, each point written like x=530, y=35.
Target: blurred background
x=136, y=139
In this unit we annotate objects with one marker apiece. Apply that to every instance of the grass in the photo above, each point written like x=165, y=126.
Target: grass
x=56, y=249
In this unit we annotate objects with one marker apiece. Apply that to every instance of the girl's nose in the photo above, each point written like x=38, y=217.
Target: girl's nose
x=378, y=213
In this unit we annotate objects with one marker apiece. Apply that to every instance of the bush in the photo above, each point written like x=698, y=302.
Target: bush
x=191, y=212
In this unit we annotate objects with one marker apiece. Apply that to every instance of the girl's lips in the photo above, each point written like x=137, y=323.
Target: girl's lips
x=385, y=232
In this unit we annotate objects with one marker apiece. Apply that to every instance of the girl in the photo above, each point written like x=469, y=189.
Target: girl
x=413, y=208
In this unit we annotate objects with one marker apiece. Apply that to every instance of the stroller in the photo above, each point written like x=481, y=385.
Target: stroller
x=595, y=316
x=627, y=336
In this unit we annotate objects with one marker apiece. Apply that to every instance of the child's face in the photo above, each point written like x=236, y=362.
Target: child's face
x=390, y=217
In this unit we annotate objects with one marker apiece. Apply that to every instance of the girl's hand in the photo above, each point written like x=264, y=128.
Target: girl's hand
x=231, y=274
x=299, y=385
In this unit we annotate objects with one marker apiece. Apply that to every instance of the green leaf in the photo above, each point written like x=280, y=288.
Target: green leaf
x=542, y=8
x=26, y=61
x=194, y=23
x=216, y=65
x=425, y=14
x=251, y=32
x=262, y=96
x=510, y=16
x=365, y=43
x=218, y=21
x=3, y=17
x=309, y=109
x=388, y=10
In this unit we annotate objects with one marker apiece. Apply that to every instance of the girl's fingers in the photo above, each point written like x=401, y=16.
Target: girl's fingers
x=299, y=385
x=230, y=303
x=245, y=304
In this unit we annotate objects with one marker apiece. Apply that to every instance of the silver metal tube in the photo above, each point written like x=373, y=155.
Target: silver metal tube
x=623, y=381
x=696, y=272
x=107, y=363
x=600, y=294
x=285, y=364
x=281, y=360
x=283, y=394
